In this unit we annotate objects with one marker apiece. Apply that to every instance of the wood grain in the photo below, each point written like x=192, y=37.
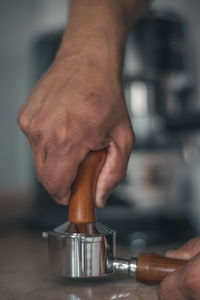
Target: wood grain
x=82, y=203
x=152, y=268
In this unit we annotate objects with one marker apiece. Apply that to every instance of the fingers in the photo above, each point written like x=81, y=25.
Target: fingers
x=59, y=172
x=170, y=287
x=187, y=251
x=33, y=129
x=39, y=156
x=184, y=283
x=114, y=169
x=56, y=155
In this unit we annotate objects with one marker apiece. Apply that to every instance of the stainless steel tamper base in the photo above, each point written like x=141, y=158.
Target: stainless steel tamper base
x=78, y=255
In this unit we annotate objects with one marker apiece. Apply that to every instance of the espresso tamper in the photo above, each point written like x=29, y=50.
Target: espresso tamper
x=84, y=248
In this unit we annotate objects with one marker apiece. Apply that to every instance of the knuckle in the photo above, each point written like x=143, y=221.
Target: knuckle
x=36, y=127
x=131, y=139
x=118, y=176
x=61, y=134
x=23, y=122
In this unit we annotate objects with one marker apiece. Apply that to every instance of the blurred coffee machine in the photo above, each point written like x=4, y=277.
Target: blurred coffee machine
x=154, y=203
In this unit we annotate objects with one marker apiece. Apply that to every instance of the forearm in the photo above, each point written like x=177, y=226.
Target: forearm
x=101, y=26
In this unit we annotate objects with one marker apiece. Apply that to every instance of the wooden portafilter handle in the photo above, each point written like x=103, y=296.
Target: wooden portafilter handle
x=152, y=268
x=82, y=202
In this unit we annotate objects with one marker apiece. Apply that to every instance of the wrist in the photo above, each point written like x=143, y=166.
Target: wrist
x=99, y=31
x=96, y=49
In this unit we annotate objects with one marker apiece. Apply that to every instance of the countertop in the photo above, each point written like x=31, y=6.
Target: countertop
x=24, y=274
x=24, y=271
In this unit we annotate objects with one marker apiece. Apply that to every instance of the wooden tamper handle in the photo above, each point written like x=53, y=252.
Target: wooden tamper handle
x=82, y=203
x=152, y=268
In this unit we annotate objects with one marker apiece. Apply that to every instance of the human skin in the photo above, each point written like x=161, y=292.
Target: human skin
x=78, y=105
x=184, y=283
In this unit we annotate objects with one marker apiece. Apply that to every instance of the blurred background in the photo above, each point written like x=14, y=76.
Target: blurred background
x=159, y=202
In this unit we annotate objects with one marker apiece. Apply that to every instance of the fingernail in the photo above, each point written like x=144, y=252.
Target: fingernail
x=101, y=201
x=169, y=253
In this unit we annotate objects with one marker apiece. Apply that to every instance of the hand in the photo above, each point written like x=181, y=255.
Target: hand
x=184, y=283
x=77, y=106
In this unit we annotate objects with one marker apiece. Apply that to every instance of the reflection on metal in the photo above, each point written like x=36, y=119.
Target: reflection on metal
x=44, y=235
x=125, y=265
x=120, y=296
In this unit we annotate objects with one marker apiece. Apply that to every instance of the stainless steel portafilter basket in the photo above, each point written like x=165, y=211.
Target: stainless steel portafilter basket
x=79, y=255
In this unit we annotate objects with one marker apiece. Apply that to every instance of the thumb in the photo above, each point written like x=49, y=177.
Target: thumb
x=187, y=251
x=113, y=172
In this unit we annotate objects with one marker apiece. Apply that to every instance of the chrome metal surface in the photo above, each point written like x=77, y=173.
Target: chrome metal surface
x=124, y=265
x=133, y=266
x=80, y=255
x=44, y=235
